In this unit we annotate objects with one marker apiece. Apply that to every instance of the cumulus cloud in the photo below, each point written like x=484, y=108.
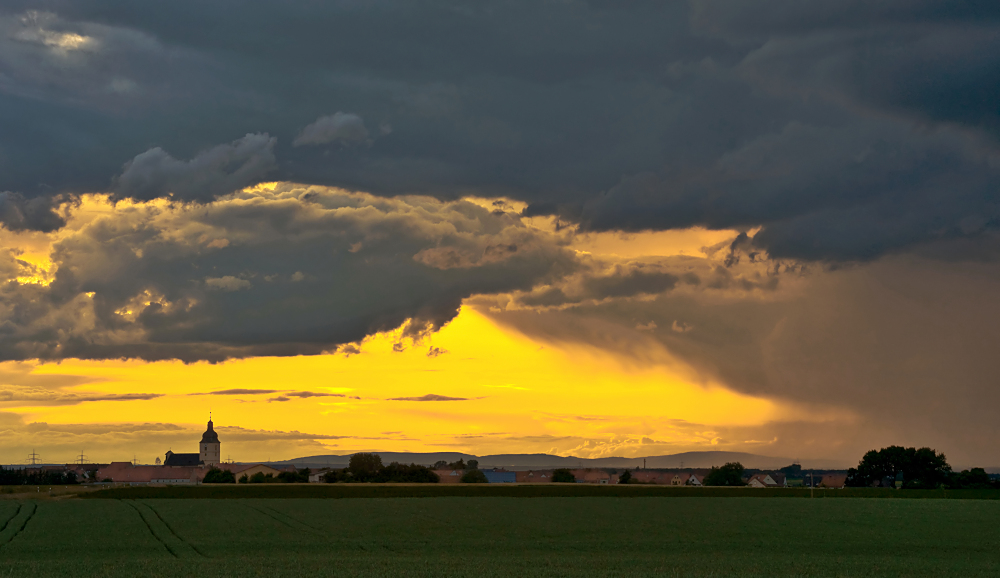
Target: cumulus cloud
x=344, y=128
x=133, y=283
x=218, y=171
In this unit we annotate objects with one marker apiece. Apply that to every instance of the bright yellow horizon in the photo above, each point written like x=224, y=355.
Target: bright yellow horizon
x=516, y=396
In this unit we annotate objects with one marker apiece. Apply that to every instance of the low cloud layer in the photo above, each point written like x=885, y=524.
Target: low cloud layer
x=429, y=397
x=212, y=173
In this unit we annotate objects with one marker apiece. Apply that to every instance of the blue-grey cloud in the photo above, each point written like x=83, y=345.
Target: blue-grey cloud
x=836, y=127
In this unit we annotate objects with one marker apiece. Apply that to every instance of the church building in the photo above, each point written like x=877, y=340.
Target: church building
x=208, y=454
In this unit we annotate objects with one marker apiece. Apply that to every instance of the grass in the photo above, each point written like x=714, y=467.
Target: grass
x=265, y=491
x=497, y=536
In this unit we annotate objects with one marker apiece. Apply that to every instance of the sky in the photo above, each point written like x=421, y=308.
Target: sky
x=590, y=228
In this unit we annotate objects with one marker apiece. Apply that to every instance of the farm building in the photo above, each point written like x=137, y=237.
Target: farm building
x=449, y=476
x=500, y=476
x=534, y=476
x=767, y=480
x=127, y=472
x=833, y=481
x=239, y=470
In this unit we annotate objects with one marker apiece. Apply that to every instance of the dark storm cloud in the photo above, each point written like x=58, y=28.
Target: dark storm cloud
x=841, y=128
x=902, y=348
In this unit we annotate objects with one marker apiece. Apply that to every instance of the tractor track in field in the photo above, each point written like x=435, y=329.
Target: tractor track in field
x=24, y=524
x=277, y=517
x=174, y=532
x=16, y=512
x=150, y=528
x=177, y=547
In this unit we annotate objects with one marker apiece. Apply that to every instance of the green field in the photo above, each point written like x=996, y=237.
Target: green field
x=500, y=536
x=228, y=491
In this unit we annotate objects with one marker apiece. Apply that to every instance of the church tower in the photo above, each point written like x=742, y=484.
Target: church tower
x=209, y=448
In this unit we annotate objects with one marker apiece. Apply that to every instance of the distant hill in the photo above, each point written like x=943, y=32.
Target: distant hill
x=541, y=461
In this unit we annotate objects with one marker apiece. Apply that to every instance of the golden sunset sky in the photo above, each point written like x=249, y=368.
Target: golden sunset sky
x=581, y=228
x=478, y=385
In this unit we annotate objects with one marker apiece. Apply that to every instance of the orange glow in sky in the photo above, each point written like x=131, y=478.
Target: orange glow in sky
x=515, y=396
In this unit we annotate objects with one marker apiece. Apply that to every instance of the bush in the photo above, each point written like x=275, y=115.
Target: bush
x=217, y=476
x=260, y=478
x=974, y=479
x=563, y=476
x=413, y=474
x=474, y=477
x=297, y=477
x=730, y=474
x=625, y=478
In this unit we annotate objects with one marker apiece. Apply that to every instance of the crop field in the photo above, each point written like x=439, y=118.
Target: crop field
x=499, y=536
x=227, y=491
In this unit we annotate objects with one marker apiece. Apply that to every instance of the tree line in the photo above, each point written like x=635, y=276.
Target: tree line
x=368, y=468
x=912, y=468
x=35, y=477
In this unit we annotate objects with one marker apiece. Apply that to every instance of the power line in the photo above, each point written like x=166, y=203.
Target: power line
x=33, y=459
x=81, y=459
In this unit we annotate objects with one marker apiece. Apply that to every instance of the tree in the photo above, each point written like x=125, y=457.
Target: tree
x=244, y=479
x=364, y=467
x=473, y=465
x=474, y=477
x=216, y=476
x=730, y=474
x=918, y=468
x=400, y=473
x=440, y=465
x=563, y=476
x=334, y=476
x=459, y=465
x=974, y=479
x=792, y=471
x=625, y=478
